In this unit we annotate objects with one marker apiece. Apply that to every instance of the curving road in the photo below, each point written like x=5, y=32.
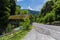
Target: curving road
x=43, y=32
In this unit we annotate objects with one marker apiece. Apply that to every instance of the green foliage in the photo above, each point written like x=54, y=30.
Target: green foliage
x=15, y=36
x=49, y=18
x=7, y=7
x=4, y=14
x=12, y=7
x=24, y=12
x=46, y=8
x=18, y=10
x=9, y=28
x=26, y=24
x=50, y=12
x=33, y=19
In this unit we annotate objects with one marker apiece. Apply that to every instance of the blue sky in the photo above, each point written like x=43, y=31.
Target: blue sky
x=31, y=4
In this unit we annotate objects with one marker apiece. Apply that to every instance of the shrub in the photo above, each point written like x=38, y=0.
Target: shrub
x=9, y=28
x=50, y=17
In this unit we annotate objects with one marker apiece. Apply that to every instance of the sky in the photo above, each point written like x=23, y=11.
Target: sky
x=31, y=4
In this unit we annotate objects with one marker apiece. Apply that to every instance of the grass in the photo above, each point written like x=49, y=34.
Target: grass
x=16, y=35
x=19, y=35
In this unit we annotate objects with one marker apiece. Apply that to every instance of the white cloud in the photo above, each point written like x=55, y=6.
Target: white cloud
x=22, y=8
x=29, y=7
x=19, y=0
x=38, y=7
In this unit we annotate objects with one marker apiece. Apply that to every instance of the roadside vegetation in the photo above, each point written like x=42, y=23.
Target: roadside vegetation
x=9, y=8
x=15, y=36
x=50, y=12
x=48, y=15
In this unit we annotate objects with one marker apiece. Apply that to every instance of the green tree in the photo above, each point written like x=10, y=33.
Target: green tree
x=7, y=7
x=49, y=18
x=18, y=10
x=4, y=13
x=12, y=7
x=24, y=12
x=50, y=12
x=46, y=8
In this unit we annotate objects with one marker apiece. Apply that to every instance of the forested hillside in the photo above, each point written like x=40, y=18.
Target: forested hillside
x=50, y=12
x=32, y=12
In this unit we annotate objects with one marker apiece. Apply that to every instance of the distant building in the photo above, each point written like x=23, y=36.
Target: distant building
x=18, y=17
x=15, y=19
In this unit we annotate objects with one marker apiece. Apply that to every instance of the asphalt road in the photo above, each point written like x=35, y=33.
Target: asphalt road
x=43, y=32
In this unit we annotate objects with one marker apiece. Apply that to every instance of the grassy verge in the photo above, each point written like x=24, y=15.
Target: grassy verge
x=16, y=35
x=19, y=36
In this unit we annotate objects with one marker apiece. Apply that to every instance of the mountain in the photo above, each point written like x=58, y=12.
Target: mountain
x=32, y=12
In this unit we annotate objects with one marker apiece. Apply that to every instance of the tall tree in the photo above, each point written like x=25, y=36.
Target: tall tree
x=18, y=10
x=13, y=7
x=4, y=13
x=7, y=7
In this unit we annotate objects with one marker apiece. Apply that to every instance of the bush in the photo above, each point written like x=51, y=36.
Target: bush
x=9, y=28
x=25, y=24
x=50, y=17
